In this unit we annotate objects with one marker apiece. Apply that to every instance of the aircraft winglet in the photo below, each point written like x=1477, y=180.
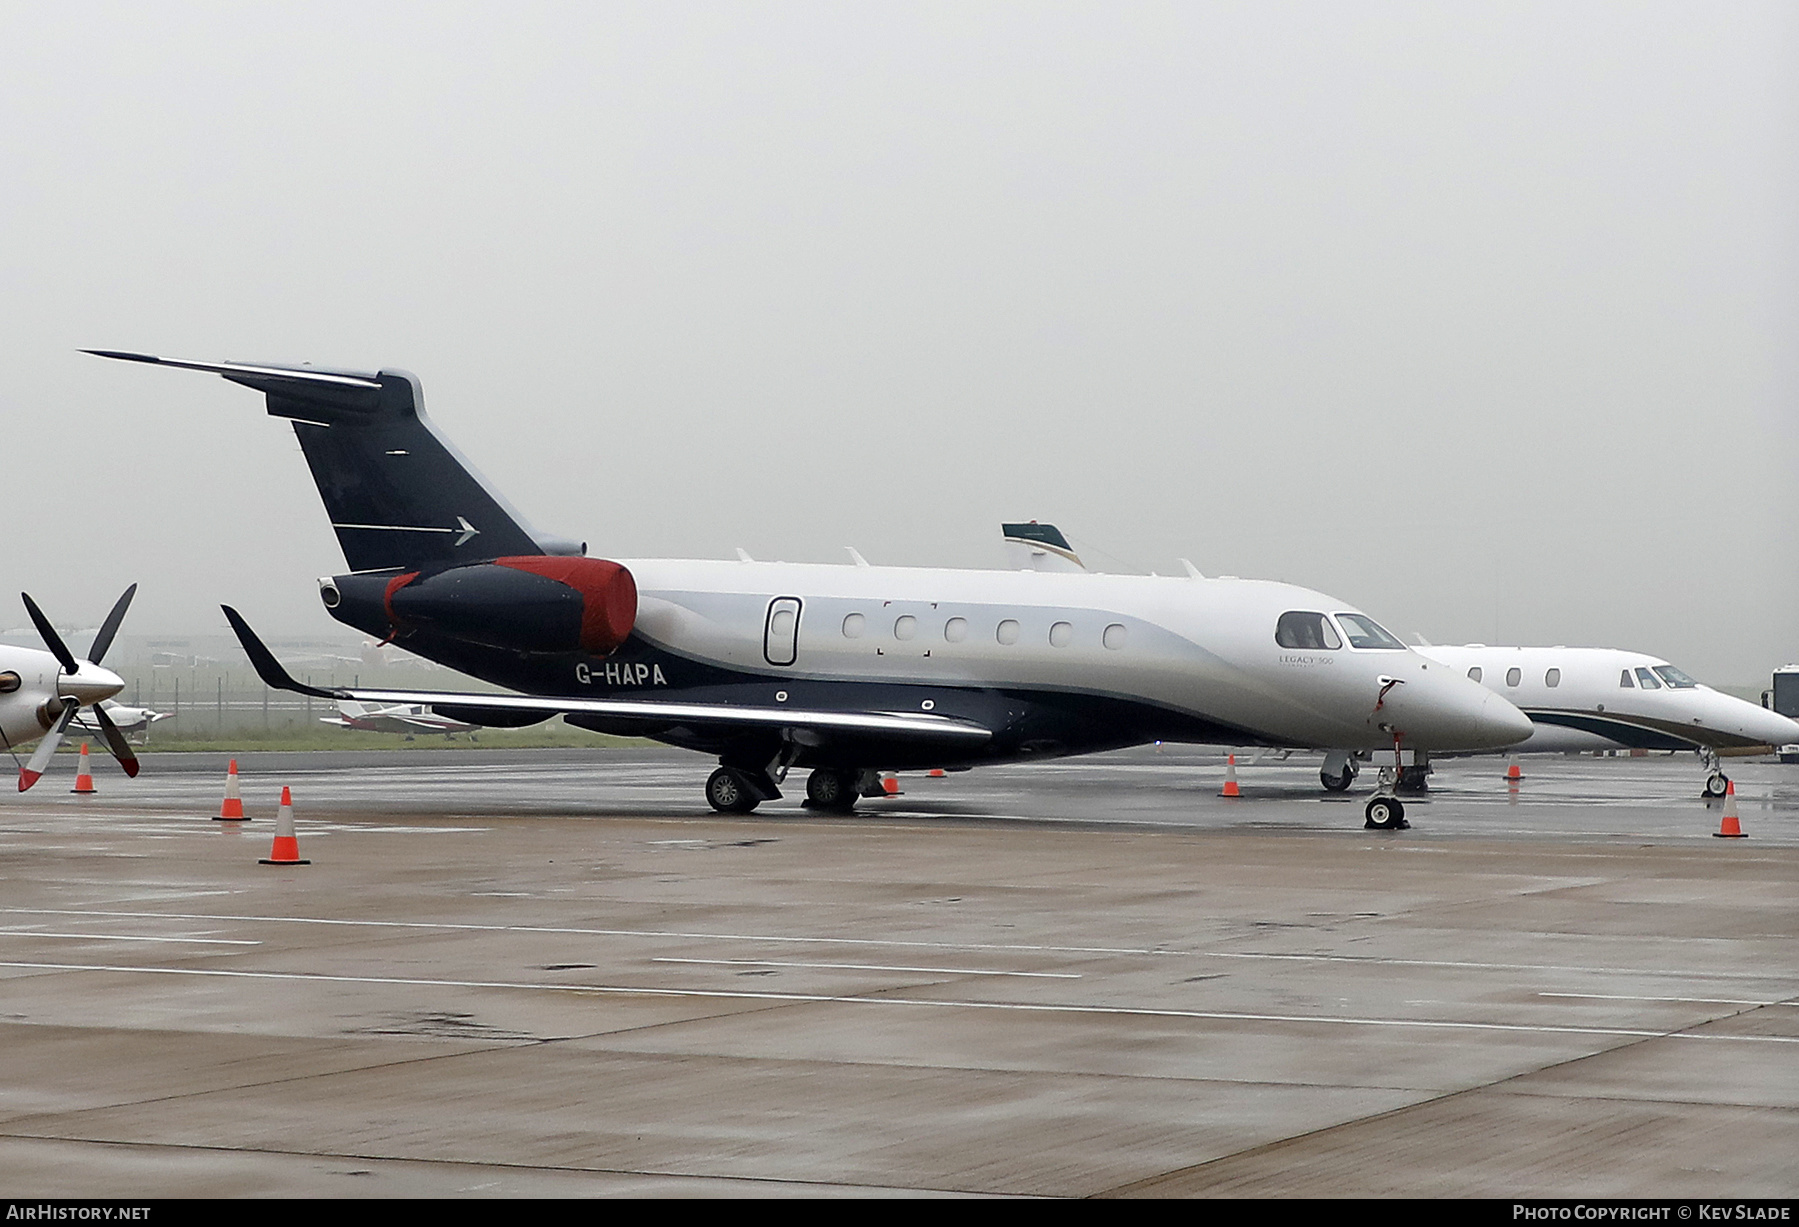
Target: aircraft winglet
x=270, y=670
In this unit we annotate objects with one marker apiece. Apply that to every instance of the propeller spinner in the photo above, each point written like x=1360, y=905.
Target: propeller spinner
x=80, y=684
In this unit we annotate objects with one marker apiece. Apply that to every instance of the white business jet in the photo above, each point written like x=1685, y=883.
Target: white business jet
x=41, y=693
x=845, y=670
x=126, y=719
x=1606, y=699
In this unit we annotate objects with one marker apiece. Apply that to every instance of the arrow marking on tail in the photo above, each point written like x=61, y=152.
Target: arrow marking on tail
x=463, y=527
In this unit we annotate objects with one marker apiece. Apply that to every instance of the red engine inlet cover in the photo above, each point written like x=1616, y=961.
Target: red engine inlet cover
x=608, y=595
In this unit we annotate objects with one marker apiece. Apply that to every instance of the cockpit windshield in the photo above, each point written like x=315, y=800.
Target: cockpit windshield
x=1647, y=681
x=1306, y=630
x=1364, y=632
x=1675, y=678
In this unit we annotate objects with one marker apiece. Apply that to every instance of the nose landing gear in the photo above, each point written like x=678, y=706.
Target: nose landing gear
x=1716, y=782
x=1386, y=813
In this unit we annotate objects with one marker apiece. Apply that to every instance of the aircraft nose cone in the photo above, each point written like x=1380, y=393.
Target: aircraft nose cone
x=1506, y=724
x=89, y=684
x=1453, y=713
x=1772, y=728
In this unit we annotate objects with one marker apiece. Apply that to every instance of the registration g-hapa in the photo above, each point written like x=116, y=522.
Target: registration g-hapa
x=844, y=671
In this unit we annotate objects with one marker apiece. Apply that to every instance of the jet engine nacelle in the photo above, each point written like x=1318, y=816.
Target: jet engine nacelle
x=534, y=603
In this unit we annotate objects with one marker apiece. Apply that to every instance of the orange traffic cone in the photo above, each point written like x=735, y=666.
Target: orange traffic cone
x=232, y=809
x=890, y=785
x=1514, y=772
x=287, y=849
x=1230, y=777
x=84, y=775
x=1729, y=827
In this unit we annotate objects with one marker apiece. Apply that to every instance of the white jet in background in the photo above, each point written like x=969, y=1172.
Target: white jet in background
x=1607, y=699
x=127, y=720
x=408, y=718
x=41, y=693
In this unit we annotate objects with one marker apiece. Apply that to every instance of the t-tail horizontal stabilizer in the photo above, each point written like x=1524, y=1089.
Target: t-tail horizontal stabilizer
x=398, y=493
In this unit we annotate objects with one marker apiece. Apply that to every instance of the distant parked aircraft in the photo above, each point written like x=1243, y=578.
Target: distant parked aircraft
x=408, y=718
x=125, y=719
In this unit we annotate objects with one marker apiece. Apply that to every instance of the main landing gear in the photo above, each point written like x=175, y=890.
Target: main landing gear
x=1339, y=771
x=833, y=791
x=730, y=791
x=738, y=790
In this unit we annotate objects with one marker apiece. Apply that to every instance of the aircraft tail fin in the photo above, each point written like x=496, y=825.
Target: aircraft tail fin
x=1040, y=547
x=398, y=493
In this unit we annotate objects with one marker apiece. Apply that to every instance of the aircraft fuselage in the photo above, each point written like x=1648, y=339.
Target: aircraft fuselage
x=1055, y=663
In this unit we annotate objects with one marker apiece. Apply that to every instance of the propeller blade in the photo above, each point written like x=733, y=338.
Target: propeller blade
x=110, y=627
x=33, y=771
x=52, y=640
x=115, y=740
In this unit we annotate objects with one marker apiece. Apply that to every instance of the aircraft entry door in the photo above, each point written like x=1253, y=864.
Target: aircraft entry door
x=781, y=634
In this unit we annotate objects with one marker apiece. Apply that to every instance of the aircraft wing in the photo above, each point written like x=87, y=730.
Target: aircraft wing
x=650, y=711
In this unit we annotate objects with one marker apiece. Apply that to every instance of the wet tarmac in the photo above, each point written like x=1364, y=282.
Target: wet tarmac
x=555, y=973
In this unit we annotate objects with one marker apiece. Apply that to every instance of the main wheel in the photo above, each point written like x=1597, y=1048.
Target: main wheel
x=831, y=790
x=1337, y=783
x=1717, y=784
x=727, y=792
x=1386, y=814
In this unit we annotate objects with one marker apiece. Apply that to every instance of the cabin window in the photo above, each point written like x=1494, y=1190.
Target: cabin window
x=1513, y=676
x=9, y=682
x=1647, y=681
x=1364, y=632
x=905, y=626
x=1114, y=636
x=854, y=625
x=1306, y=630
x=1625, y=682
x=1675, y=678
x=1007, y=632
x=1553, y=678
x=1474, y=674
x=1061, y=634
x=955, y=630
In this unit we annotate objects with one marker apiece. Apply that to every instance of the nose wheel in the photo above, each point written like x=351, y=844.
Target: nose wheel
x=1716, y=782
x=1386, y=814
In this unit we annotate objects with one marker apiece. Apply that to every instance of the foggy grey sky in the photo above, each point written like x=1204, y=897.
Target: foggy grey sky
x=1483, y=318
